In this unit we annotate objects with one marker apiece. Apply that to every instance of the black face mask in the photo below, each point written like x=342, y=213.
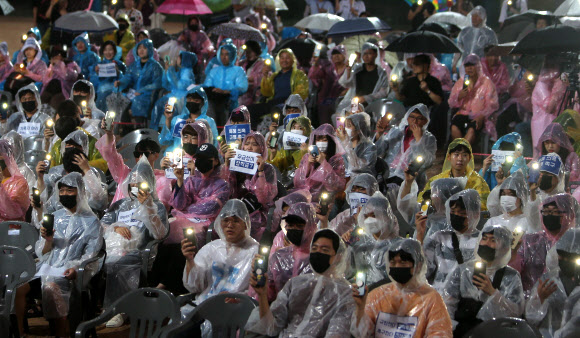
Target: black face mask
x=294, y=236
x=29, y=106
x=123, y=26
x=2, y=164
x=400, y=275
x=193, y=28
x=486, y=252
x=80, y=98
x=194, y=107
x=320, y=262
x=568, y=268
x=546, y=182
x=68, y=201
x=190, y=148
x=204, y=164
x=457, y=222
x=552, y=223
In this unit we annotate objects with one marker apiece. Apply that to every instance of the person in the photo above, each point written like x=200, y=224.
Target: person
x=409, y=299
x=558, y=214
x=128, y=226
x=361, y=153
x=132, y=56
x=17, y=144
x=497, y=72
x=509, y=142
x=255, y=20
x=278, y=86
x=225, y=83
x=253, y=65
x=143, y=77
x=554, y=299
x=84, y=56
x=472, y=298
x=134, y=15
x=366, y=81
x=420, y=88
x=462, y=6
x=314, y=304
x=59, y=78
x=415, y=14
x=83, y=90
x=511, y=8
x=551, y=181
x=518, y=108
x=110, y=53
x=13, y=188
x=289, y=160
x=5, y=64
x=448, y=248
x=474, y=38
x=194, y=40
x=318, y=6
x=42, y=21
x=555, y=140
x=29, y=62
x=281, y=207
x=122, y=37
x=476, y=99
x=28, y=104
x=349, y=9
x=293, y=107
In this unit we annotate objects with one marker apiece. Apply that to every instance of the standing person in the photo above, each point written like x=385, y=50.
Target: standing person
x=40, y=8
x=474, y=38
x=134, y=15
x=122, y=37
x=194, y=39
x=349, y=9
x=84, y=56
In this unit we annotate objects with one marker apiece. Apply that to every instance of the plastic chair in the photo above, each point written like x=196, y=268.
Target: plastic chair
x=226, y=316
x=137, y=135
x=504, y=328
x=33, y=143
x=32, y=157
x=146, y=308
x=148, y=256
x=20, y=234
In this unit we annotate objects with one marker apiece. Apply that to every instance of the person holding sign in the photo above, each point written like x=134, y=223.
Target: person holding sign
x=408, y=307
x=555, y=140
x=289, y=158
x=111, y=58
x=509, y=150
x=84, y=56
x=29, y=120
x=129, y=225
x=239, y=116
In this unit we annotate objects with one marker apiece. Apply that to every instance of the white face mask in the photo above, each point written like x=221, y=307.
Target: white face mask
x=348, y=132
x=508, y=203
x=298, y=131
x=372, y=224
x=135, y=191
x=322, y=146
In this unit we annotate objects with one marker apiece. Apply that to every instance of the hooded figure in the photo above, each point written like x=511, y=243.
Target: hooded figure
x=554, y=133
x=15, y=140
x=105, y=85
x=558, y=214
x=253, y=70
x=59, y=78
x=144, y=78
x=473, y=39
x=35, y=68
x=132, y=56
x=498, y=74
x=511, y=141
x=361, y=157
x=21, y=116
x=85, y=59
x=448, y=248
x=14, y=199
x=241, y=109
x=194, y=39
x=558, y=312
x=313, y=304
x=298, y=80
x=345, y=221
x=469, y=305
x=289, y=160
x=96, y=113
x=5, y=66
x=326, y=172
x=78, y=236
x=414, y=302
x=127, y=40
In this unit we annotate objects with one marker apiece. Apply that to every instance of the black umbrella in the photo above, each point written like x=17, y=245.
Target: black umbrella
x=530, y=15
x=515, y=31
x=159, y=37
x=358, y=26
x=423, y=42
x=549, y=40
x=533, y=63
x=433, y=27
x=302, y=48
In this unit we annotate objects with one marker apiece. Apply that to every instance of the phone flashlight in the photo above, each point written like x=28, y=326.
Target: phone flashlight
x=530, y=78
x=49, y=123
x=351, y=59
x=109, y=120
x=171, y=103
x=144, y=186
x=394, y=78
x=268, y=62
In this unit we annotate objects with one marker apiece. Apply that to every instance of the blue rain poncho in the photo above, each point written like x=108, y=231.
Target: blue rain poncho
x=104, y=86
x=88, y=59
x=519, y=163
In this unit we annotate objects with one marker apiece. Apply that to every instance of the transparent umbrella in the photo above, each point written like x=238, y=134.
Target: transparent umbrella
x=271, y=4
x=320, y=21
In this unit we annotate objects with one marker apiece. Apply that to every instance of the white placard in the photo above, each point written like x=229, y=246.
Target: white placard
x=126, y=217
x=355, y=200
x=198, y=220
x=47, y=270
x=107, y=70
x=13, y=232
x=27, y=129
x=390, y=325
x=293, y=141
x=244, y=162
x=499, y=158
x=169, y=171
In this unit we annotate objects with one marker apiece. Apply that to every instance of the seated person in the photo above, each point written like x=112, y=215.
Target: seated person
x=240, y=115
x=555, y=140
x=13, y=188
x=361, y=153
x=289, y=160
x=497, y=72
x=128, y=226
x=83, y=55
x=447, y=248
x=110, y=53
x=550, y=182
x=29, y=62
x=459, y=163
x=83, y=90
x=473, y=298
x=325, y=290
x=475, y=100
x=15, y=140
x=59, y=78
x=76, y=237
x=508, y=142
x=122, y=37
x=409, y=296
x=141, y=35
x=277, y=87
x=282, y=205
x=420, y=88
x=28, y=105
x=5, y=64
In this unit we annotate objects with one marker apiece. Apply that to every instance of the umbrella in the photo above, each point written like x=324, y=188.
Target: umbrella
x=302, y=48
x=159, y=37
x=453, y=18
x=239, y=31
x=423, y=42
x=549, y=40
x=354, y=44
x=570, y=21
x=533, y=63
x=184, y=7
x=85, y=21
x=568, y=8
x=515, y=31
x=529, y=16
x=358, y=26
x=271, y=4
x=434, y=27
x=6, y=7
x=503, y=49
x=320, y=21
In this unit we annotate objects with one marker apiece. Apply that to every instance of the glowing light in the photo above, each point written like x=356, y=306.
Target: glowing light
x=268, y=62
x=394, y=77
x=342, y=119
x=509, y=159
x=419, y=158
x=535, y=165
x=518, y=230
x=360, y=275
x=48, y=157
x=260, y=261
x=531, y=77
x=276, y=116
x=189, y=231
x=144, y=186
x=244, y=47
x=24, y=36
x=4, y=105
x=49, y=123
x=172, y=101
x=467, y=82
x=389, y=116
x=360, y=231
x=265, y=249
x=478, y=265
x=310, y=148
x=324, y=196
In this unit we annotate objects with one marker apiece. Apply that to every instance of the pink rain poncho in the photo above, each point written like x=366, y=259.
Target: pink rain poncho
x=36, y=68
x=530, y=260
x=244, y=110
x=555, y=132
x=441, y=72
x=257, y=22
x=254, y=74
x=66, y=73
x=499, y=75
x=481, y=100
x=326, y=176
x=6, y=67
x=520, y=96
x=265, y=187
x=14, y=200
x=197, y=42
x=300, y=196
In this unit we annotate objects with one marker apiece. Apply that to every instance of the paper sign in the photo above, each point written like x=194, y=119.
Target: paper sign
x=198, y=220
x=186, y=172
x=288, y=118
x=390, y=325
x=355, y=200
x=179, y=124
x=27, y=129
x=293, y=141
x=47, y=270
x=244, y=162
x=126, y=217
x=499, y=158
x=236, y=132
x=107, y=70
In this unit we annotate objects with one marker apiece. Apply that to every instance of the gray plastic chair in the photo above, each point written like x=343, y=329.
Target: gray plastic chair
x=137, y=135
x=33, y=143
x=226, y=318
x=146, y=308
x=32, y=157
x=504, y=328
x=24, y=237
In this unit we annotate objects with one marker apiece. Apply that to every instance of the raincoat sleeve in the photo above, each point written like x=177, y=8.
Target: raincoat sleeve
x=97, y=195
x=37, y=71
x=267, y=85
x=454, y=101
x=407, y=205
x=347, y=82
x=343, y=222
x=430, y=245
x=451, y=292
x=536, y=311
x=166, y=136
x=14, y=200
x=157, y=74
x=361, y=158
x=119, y=170
x=502, y=79
x=508, y=301
x=199, y=277
x=265, y=187
x=154, y=217
x=329, y=174
x=206, y=207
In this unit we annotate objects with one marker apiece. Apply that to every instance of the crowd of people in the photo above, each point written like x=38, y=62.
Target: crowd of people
x=311, y=184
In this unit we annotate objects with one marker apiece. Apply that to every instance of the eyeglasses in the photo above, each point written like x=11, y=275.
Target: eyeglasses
x=552, y=213
x=138, y=154
x=417, y=117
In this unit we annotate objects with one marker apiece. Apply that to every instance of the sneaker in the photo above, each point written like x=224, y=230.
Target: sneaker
x=117, y=321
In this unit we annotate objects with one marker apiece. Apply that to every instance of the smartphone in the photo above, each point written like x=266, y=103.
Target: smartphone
x=507, y=165
x=355, y=235
x=466, y=81
x=109, y=118
x=49, y=123
x=47, y=162
x=189, y=234
x=260, y=269
x=415, y=165
x=171, y=103
x=48, y=224
x=314, y=150
x=351, y=59
x=84, y=107
x=4, y=110
x=178, y=158
x=317, y=51
x=340, y=121
x=425, y=205
x=517, y=235
x=361, y=282
x=274, y=139
x=264, y=27
x=277, y=117
x=324, y=201
x=479, y=268
x=534, y=173
x=36, y=197
x=354, y=105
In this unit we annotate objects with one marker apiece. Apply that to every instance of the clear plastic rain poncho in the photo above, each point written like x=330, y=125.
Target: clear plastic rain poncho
x=442, y=258
x=280, y=240
x=468, y=305
x=362, y=158
x=310, y=305
x=15, y=140
x=473, y=40
x=146, y=221
x=560, y=308
x=78, y=236
x=530, y=260
x=327, y=176
x=344, y=221
x=37, y=68
x=519, y=162
x=555, y=132
x=6, y=68
x=96, y=113
x=415, y=303
x=381, y=229
x=19, y=117
x=14, y=199
x=293, y=260
x=391, y=147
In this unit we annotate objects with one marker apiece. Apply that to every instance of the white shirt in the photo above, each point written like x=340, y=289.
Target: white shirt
x=344, y=9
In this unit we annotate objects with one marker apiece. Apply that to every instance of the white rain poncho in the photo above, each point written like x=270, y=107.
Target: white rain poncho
x=473, y=40
x=15, y=140
x=439, y=248
x=78, y=236
x=469, y=305
x=146, y=221
x=20, y=117
x=562, y=308
x=415, y=303
x=310, y=305
x=381, y=229
x=344, y=221
x=362, y=158
x=389, y=146
x=92, y=125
